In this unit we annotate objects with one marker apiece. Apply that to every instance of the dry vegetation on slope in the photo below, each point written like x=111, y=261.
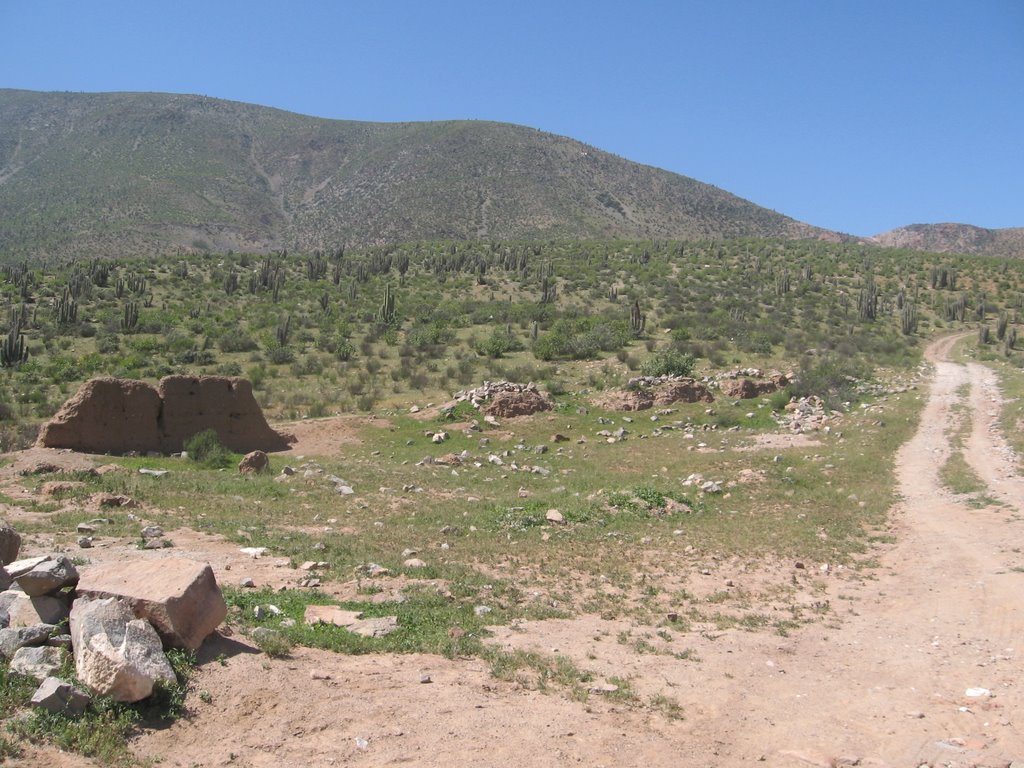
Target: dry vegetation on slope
x=139, y=173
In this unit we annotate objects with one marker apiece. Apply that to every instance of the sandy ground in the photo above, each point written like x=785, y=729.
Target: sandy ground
x=883, y=682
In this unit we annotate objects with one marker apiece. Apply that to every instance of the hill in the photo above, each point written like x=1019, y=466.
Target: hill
x=956, y=238
x=144, y=173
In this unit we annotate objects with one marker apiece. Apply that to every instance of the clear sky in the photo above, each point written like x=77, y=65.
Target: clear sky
x=856, y=115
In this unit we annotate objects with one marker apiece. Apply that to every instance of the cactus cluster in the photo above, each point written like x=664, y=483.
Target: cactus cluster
x=66, y=308
x=386, y=311
x=283, y=331
x=130, y=317
x=867, y=301
x=908, y=319
x=13, y=351
x=637, y=320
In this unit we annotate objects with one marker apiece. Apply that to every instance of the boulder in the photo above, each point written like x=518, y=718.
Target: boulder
x=50, y=575
x=179, y=597
x=10, y=543
x=25, y=611
x=116, y=654
x=37, y=661
x=56, y=696
x=13, y=638
x=255, y=462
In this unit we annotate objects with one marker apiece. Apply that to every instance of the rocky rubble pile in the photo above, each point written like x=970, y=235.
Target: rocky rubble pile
x=808, y=414
x=119, y=619
x=643, y=392
x=505, y=399
x=748, y=383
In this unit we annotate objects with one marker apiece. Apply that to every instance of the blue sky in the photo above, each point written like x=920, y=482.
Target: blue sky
x=856, y=116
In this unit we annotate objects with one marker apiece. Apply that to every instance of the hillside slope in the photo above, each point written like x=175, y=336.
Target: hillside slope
x=138, y=173
x=956, y=238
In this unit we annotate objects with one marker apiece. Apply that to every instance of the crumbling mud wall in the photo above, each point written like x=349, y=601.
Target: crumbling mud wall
x=109, y=415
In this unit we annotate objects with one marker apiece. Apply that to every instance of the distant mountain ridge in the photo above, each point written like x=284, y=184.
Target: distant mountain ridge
x=141, y=173
x=956, y=238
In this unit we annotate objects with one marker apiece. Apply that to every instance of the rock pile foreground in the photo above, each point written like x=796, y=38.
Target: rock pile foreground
x=109, y=415
x=121, y=617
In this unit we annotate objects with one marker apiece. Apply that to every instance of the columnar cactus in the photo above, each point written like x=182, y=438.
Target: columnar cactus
x=130, y=317
x=637, y=320
x=386, y=311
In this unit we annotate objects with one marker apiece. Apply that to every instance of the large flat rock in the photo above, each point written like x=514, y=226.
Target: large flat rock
x=179, y=597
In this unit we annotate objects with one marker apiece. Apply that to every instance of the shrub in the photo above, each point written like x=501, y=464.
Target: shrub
x=428, y=335
x=669, y=362
x=499, y=343
x=582, y=338
x=233, y=341
x=833, y=379
x=205, y=448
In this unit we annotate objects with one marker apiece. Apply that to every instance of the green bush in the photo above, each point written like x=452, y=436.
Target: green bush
x=669, y=362
x=833, y=379
x=428, y=335
x=233, y=341
x=205, y=448
x=499, y=343
x=582, y=338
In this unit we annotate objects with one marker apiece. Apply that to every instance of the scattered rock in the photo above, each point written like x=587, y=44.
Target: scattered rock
x=254, y=462
x=25, y=611
x=52, y=574
x=37, y=661
x=554, y=517
x=13, y=638
x=509, y=404
x=414, y=562
x=112, y=500
x=330, y=614
x=378, y=627
x=56, y=696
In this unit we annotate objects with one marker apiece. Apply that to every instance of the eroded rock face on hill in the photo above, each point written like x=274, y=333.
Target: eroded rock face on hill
x=109, y=415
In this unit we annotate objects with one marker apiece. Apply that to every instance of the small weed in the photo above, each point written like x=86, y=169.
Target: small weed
x=668, y=706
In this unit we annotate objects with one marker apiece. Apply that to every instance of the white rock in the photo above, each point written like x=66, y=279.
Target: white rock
x=116, y=654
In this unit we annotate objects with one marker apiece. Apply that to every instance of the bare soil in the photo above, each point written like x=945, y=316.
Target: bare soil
x=882, y=681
